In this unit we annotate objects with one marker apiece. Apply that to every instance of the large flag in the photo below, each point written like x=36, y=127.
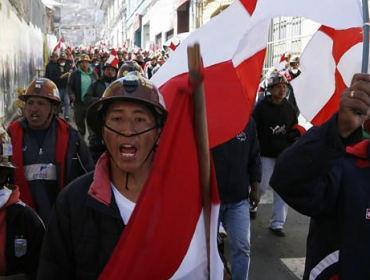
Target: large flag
x=233, y=47
x=328, y=64
x=230, y=68
x=338, y=14
x=165, y=237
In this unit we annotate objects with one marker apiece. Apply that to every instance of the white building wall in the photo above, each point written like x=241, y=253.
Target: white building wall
x=134, y=9
x=288, y=34
x=161, y=18
x=115, y=15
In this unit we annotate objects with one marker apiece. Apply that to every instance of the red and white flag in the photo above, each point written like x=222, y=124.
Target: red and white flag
x=59, y=46
x=233, y=46
x=165, y=236
x=173, y=46
x=281, y=65
x=233, y=65
x=113, y=59
x=328, y=64
x=338, y=14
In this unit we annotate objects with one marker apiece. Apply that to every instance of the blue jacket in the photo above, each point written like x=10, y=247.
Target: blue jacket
x=327, y=178
x=238, y=164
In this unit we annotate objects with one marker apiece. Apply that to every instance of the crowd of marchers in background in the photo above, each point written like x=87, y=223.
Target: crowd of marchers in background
x=41, y=153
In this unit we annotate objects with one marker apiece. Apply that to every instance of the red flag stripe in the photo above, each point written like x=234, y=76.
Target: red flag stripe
x=250, y=5
x=172, y=46
x=227, y=100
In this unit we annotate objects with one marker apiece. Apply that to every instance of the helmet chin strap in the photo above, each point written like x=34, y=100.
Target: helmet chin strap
x=50, y=114
x=132, y=135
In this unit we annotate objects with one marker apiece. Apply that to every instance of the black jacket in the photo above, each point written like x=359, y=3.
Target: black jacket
x=22, y=223
x=55, y=72
x=50, y=68
x=238, y=164
x=274, y=126
x=74, y=85
x=81, y=235
x=322, y=179
x=95, y=91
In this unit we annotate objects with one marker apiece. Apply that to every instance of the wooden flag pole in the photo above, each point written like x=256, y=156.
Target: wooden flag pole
x=366, y=30
x=201, y=135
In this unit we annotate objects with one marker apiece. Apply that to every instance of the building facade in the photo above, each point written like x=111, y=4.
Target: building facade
x=287, y=34
x=113, y=30
x=147, y=23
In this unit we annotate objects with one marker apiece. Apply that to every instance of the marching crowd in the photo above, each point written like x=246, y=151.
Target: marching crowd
x=67, y=194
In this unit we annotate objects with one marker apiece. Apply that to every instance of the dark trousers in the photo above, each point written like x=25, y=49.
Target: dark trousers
x=80, y=117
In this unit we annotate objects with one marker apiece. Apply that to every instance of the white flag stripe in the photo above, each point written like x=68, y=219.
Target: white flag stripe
x=316, y=84
x=110, y=59
x=247, y=47
x=338, y=14
x=217, y=267
x=350, y=63
x=216, y=47
x=194, y=264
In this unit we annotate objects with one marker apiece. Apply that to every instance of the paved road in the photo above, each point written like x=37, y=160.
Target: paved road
x=277, y=258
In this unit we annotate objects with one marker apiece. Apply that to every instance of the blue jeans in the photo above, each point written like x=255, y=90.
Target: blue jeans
x=64, y=97
x=279, y=207
x=235, y=219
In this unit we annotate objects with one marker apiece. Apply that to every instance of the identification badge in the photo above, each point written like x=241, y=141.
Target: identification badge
x=20, y=247
x=40, y=172
x=7, y=150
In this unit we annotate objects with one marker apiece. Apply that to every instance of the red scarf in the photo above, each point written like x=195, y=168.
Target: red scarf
x=14, y=198
x=360, y=151
x=16, y=132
